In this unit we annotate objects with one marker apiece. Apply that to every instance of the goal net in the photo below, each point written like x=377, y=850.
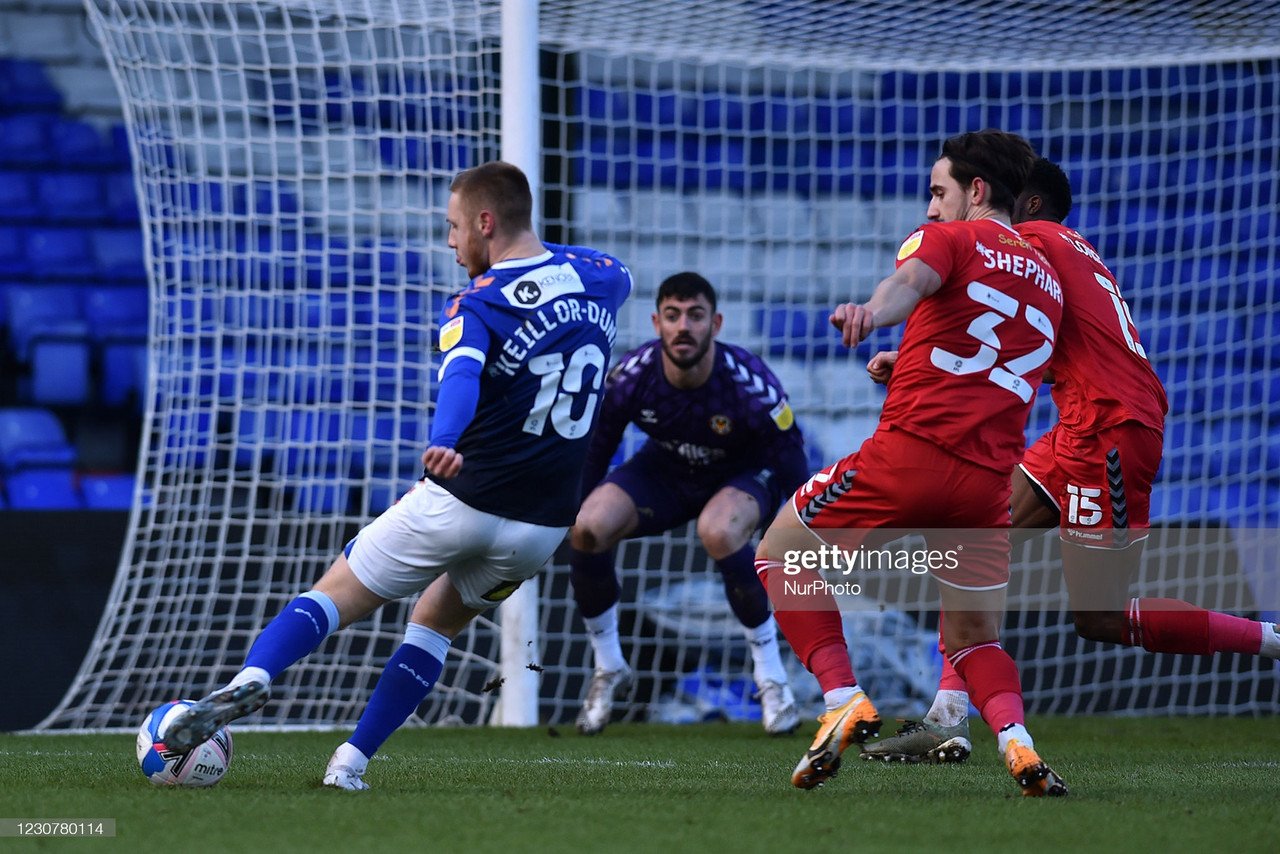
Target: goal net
x=293, y=160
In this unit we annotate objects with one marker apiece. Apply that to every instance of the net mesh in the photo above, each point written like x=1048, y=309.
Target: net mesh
x=293, y=162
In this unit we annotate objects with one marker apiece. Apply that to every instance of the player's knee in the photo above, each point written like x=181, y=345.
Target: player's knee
x=720, y=542
x=584, y=538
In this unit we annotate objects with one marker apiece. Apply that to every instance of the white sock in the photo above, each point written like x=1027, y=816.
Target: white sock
x=837, y=697
x=1009, y=733
x=602, y=631
x=1270, y=641
x=949, y=708
x=349, y=755
x=250, y=674
x=765, y=654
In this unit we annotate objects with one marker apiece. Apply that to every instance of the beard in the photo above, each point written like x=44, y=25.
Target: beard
x=688, y=362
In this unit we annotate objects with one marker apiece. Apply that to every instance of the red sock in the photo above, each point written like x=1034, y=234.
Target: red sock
x=817, y=637
x=994, y=686
x=950, y=680
x=1171, y=625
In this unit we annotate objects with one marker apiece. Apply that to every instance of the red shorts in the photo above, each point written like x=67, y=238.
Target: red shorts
x=1100, y=482
x=899, y=481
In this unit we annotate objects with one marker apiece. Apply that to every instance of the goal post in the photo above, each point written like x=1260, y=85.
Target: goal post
x=293, y=161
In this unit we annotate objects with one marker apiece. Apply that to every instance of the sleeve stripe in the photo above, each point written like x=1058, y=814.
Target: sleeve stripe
x=465, y=352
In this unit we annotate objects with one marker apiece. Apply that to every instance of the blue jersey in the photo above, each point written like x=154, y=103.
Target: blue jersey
x=738, y=421
x=535, y=333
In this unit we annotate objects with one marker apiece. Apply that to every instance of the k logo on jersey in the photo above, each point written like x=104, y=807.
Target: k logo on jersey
x=527, y=292
x=910, y=245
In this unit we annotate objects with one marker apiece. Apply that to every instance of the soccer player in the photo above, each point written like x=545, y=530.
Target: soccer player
x=1090, y=475
x=982, y=309
x=525, y=350
x=723, y=447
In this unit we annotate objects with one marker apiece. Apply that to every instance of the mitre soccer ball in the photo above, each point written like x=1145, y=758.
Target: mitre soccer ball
x=202, y=766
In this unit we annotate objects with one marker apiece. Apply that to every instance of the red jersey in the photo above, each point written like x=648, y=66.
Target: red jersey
x=1101, y=373
x=973, y=352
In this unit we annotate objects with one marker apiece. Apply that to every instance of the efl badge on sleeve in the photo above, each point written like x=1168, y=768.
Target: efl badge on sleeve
x=910, y=245
x=782, y=415
x=451, y=334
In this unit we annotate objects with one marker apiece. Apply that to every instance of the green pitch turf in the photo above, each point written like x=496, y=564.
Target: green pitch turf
x=1136, y=785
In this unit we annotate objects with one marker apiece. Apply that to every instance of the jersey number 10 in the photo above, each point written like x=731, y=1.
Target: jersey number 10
x=561, y=388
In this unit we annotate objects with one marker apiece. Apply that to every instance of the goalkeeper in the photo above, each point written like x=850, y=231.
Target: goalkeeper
x=723, y=448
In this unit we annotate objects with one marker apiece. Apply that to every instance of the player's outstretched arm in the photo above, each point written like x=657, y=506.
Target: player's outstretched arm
x=893, y=300
x=441, y=462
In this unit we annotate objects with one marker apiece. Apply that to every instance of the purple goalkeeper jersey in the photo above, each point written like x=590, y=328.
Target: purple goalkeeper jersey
x=738, y=420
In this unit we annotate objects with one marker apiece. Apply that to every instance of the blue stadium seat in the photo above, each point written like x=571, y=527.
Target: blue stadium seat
x=79, y=145
x=33, y=438
x=107, y=491
x=71, y=197
x=50, y=336
x=60, y=372
x=119, y=254
x=25, y=87
x=13, y=255
x=59, y=253
x=43, y=489
x=121, y=200
x=124, y=374
x=117, y=320
x=18, y=200
x=24, y=141
x=44, y=311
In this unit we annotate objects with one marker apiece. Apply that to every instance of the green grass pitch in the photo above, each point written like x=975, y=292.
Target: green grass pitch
x=1159, y=784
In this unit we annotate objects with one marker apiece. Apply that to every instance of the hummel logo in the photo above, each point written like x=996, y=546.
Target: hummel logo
x=648, y=416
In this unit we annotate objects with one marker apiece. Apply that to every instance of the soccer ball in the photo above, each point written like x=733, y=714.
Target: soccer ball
x=203, y=766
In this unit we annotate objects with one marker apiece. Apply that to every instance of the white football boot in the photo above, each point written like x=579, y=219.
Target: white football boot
x=606, y=687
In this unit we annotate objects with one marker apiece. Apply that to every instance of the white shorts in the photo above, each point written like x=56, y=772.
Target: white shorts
x=429, y=532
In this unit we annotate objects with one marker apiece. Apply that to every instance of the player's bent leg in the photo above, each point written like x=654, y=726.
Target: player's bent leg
x=413, y=670
x=970, y=629
x=725, y=526
x=338, y=599
x=608, y=515
x=816, y=634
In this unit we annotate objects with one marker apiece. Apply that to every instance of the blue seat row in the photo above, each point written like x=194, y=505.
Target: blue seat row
x=38, y=140
x=25, y=87
x=72, y=253
x=92, y=198
x=66, y=489
x=65, y=336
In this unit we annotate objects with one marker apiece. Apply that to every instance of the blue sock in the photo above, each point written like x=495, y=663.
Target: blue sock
x=294, y=633
x=595, y=584
x=742, y=588
x=407, y=680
